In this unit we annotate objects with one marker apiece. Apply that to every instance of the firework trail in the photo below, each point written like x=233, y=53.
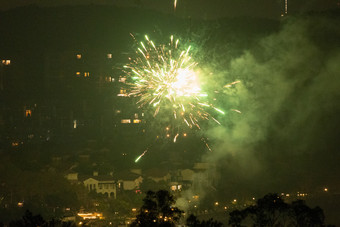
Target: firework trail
x=140, y=156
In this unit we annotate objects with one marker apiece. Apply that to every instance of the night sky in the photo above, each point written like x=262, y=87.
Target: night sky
x=197, y=8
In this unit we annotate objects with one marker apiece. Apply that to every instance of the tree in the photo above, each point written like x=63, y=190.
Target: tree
x=268, y=211
x=29, y=220
x=302, y=215
x=158, y=210
x=192, y=221
x=271, y=210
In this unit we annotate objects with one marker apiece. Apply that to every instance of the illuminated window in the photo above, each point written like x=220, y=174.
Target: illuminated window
x=28, y=113
x=74, y=123
x=86, y=74
x=109, y=55
x=78, y=73
x=109, y=79
x=173, y=188
x=122, y=79
x=78, y=56
x=118, y=111
x=137, y=121
x=122, y=92
x=6, y=62
x=126, y=121
x=136, y=115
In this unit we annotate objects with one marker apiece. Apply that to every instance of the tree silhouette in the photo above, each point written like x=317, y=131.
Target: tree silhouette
x=192, y=221
x=28, y=220
x=302, y=215
x=158, y=210
x=271, y=210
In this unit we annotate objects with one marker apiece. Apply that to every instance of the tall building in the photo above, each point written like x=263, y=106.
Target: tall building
x=76, y=95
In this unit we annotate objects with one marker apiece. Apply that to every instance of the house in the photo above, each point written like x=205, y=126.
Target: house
x=72, y=177
x=128, y=180
x=157, y=175
x=101, y=184
x=181, y=179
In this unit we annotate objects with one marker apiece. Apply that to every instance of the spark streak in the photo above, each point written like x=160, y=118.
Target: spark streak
x=140, y=156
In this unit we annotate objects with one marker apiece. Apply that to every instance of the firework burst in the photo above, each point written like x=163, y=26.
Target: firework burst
x=164, y=77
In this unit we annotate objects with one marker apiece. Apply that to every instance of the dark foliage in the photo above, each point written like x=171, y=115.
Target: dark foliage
x=271, y=210
x=30, y=220
x=158, y=210
x=192, y=221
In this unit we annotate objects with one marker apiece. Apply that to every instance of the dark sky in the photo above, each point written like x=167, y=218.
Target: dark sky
x=197, y=8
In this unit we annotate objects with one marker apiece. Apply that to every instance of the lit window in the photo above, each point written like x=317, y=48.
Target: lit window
x=126, y=121
x=136, y=115
x=78, y=56
x=122, y=79
x=74, y=123
x=122, y=92
x=86, y=74
x=173, y=188
x=78, y=73
x=118, y=111
x=6, y=62
x=109, y=55
x=137, y=121
x=28, y=113
x=109, y=79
